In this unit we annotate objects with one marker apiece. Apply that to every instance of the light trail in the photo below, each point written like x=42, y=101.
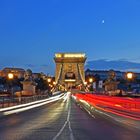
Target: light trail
x=17, y=109
x=114, y=105
x=30, y=107
x=24, y=105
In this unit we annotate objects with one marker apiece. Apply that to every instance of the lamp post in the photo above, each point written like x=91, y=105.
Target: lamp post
x=130, y=77
x=90, y=80
x=49, y=80
x=91, y=83
x=85, y=83
x=54, y=83
x=11, y=77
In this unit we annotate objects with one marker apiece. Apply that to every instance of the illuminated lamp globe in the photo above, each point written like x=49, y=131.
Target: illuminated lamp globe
x=10, y=76
x=49, y=80
x=90, y=80
x=130, y=75
x=54, y=83
x=85, y=83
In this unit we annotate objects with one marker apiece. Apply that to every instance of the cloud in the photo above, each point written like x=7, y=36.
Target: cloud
x=122, y=65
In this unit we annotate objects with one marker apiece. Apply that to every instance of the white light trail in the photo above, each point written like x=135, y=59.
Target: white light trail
x=66, y=97
x=32, y=103
x=33, y=106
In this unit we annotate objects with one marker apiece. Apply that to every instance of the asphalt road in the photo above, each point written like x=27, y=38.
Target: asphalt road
x=63, y=121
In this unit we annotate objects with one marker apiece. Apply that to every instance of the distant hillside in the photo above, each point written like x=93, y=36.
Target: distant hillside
x=121, y=65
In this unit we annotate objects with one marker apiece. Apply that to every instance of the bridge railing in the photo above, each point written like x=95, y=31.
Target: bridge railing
x=7, y=101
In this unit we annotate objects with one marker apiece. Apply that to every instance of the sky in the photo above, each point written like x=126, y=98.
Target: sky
x=32, y=31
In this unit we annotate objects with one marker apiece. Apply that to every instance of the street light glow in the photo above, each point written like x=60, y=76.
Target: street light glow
x=49, y=80
x=54, y=83
x=130, y=75
x=10, y=76
x=85, y=83
x=90, y=80
x=70, y=55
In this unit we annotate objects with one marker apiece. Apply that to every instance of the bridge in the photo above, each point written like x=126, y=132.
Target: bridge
x=72, y=114
x=70, y=70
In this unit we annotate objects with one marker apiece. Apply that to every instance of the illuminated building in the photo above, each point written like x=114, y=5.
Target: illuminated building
x=17, y=72
x=70, y=69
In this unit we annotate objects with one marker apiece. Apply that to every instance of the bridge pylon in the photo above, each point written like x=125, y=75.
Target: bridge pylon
x=70, y=70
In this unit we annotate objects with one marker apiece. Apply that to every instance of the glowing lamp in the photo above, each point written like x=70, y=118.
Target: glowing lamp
x=130, y=75
x=90, y=80
x=49, y=80
x=85, y=83
x=54, y=83
x=10, y=76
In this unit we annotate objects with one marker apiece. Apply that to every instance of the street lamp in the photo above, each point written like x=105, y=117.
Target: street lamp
x=85, y=83
x=49, y=80
x=10, y=76
x=129, y=75
x=90, y=80
x=54, y=83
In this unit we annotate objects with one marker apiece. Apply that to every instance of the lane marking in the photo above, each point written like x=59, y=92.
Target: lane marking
x=69, y=124
x=66, y=122
x=71, y=132
x=60, y=131
x=69, y=111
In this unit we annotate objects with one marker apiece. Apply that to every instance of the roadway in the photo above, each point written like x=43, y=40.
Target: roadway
x=63, y=121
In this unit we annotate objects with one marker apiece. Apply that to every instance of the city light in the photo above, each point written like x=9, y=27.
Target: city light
x=69, y=55
x=49, y=80
x=70, y=80
x=90, y=80
x=129, y=75
x=10, y=76
x=74, y=55
x=85, y=83
x=58, y=55
x=54, y=83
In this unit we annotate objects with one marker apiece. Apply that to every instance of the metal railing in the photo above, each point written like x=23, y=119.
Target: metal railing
x=8, y=101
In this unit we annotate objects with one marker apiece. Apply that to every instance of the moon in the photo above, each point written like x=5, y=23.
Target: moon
x=103, y=21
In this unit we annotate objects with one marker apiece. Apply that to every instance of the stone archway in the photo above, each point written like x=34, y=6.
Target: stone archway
x=70, y=69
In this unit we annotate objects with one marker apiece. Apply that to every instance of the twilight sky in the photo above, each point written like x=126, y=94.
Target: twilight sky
x=31, y=31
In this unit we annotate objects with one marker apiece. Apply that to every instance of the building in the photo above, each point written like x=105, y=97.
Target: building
x=137, y=75
x=0, y=73
x=17, y=72
x=70, y=69
x=36, y=75
x=103, y=74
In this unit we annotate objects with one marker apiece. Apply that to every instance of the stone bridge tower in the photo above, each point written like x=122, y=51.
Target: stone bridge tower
x=70, y=69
